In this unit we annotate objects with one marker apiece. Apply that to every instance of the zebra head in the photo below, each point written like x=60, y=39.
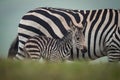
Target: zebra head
x=78, y=38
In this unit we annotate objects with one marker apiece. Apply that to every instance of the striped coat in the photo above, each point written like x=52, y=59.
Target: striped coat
x=101, y=29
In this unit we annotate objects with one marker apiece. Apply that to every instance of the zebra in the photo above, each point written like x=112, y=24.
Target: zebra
x=52, y=49
x=101, y=29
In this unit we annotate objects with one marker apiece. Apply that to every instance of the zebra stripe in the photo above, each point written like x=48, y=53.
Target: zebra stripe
x=115, y=46
x=95, y=25
x=38, y=47
x=100, y=26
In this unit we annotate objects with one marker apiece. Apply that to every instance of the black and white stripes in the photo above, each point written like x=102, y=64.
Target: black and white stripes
x=44, y=21
x=100, y=28
x=52, y=49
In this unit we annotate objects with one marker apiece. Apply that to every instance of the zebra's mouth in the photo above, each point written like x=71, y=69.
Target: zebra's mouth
x=84, y=50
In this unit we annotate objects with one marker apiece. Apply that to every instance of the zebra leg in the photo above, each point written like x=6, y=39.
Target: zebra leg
x=32, y=51
x=32, y=55
x=114, y=55
x=55, y=56
x=114, y=51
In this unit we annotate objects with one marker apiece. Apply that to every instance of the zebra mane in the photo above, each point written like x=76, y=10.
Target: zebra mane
x=66, y=38
x=66, y=35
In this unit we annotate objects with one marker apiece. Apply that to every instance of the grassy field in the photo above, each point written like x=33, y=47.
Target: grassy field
x=29, y=70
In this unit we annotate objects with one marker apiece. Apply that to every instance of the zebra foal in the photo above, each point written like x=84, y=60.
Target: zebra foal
x=52, y=49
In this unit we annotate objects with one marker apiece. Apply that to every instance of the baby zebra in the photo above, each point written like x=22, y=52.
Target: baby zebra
x=55, y=50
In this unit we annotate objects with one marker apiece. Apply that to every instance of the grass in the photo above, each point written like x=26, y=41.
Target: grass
x=30, y=70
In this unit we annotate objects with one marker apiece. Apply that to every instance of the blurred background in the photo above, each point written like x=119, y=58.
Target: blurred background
x=11, y=12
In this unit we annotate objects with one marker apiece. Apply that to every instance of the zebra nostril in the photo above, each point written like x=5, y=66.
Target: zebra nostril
x=84, y=50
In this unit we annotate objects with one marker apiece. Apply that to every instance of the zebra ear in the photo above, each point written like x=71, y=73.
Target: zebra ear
x=72, y=26
x=70, y=31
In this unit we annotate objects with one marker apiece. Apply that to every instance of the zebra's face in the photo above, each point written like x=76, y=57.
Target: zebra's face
x=79, y=39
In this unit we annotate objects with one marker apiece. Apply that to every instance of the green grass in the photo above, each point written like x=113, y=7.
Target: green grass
x=29, y=70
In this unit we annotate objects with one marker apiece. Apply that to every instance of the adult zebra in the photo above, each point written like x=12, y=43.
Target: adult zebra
x=102, y=33
x=52, y=49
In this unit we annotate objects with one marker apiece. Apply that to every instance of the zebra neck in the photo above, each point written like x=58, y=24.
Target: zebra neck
x=66, y=40
x=66, y=44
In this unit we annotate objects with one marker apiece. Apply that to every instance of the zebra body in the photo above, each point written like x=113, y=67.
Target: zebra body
x=38, y=47
x=52, y=49
x=100, y=26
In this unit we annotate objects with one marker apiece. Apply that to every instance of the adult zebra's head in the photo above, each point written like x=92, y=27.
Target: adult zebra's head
x=78, y=38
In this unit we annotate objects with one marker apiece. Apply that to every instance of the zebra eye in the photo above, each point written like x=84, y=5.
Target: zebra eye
x=78, y=38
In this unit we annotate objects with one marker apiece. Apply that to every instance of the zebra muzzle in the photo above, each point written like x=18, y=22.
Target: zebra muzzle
x=84, y=49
